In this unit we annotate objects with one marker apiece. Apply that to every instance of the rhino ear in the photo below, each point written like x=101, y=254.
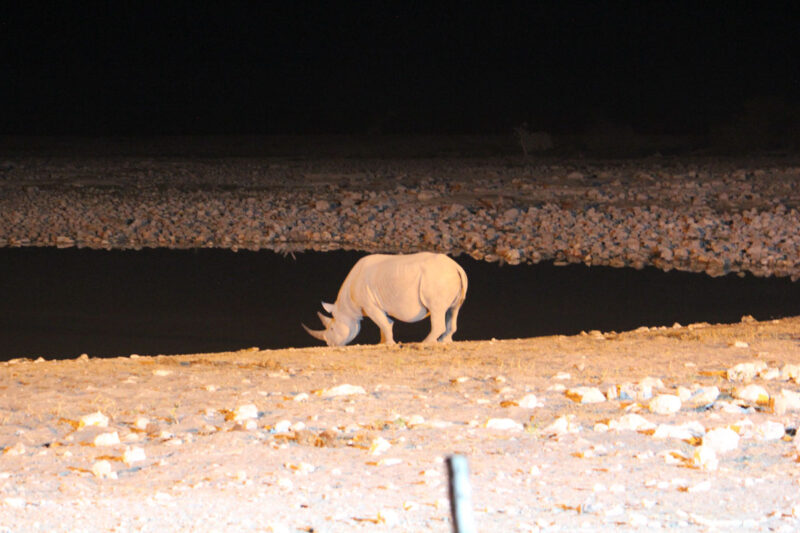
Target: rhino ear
x=328, y=307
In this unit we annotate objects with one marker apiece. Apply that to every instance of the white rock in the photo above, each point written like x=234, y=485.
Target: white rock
x=744, y=428
x=612, y=393
x=562, y=376
x=303, y=396
x=636, y=391
x=740, y=344
x=673, y=457
x=389, y=518
x=687, y=431
x=245, y=412
x=302, y=467
x=102, y=469
x=133, y=454
x=729, y=407
x=787, y=400
x=745, y=371
x=530, y=401
x=790, y=372
x=17, y=449
x=95, y=419
x=684, y=394
x=703, y=396
x=379, y=445
x=585, y=395
x=282, y=426
x=705, y=457
x=562, y=425
x=645, y=455
x=415, y=420
x=107, y=439
x=16, y=503
x=342, y=390
x=631, y=422
x=665, y=404
x=600, y=427
x=770, y=373
x=141, y=422
x=162, y=372
x=503, y=424
x=752, y=393
x=769, y=431
x=721, y=440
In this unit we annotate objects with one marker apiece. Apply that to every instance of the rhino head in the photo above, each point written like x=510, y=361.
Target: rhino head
x=340, y=328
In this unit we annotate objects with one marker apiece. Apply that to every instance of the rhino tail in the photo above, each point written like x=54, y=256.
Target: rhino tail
x=463, y=276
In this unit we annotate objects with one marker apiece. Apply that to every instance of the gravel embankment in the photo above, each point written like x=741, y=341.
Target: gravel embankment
x=704, y=215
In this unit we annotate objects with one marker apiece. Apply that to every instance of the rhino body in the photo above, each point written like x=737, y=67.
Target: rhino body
x=405, y=287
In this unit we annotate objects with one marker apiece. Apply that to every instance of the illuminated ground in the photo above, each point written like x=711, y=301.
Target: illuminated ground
x=372, y=460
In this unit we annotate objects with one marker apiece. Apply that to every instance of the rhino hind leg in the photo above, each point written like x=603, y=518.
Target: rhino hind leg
x=451, y=318
x=438, y=326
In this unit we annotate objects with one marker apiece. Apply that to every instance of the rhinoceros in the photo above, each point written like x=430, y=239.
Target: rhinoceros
x=404, y=287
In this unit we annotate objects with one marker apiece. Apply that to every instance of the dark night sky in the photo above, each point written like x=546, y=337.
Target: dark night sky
x=407, y=67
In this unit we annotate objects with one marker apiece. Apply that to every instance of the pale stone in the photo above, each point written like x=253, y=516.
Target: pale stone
x=107, y=439
x=745, y=371
x=379, y=446
x=631, y=422
x=705, y=457
x=94, y=419
x=752, y=393
x=665, y=404
x=530, y=401
x=342, y=390
x=585, y=395
x=245, y=412
x=132, y=455
x=503, y=424
x=721, y=440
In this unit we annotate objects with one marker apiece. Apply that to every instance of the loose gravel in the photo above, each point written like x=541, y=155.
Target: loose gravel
x=697, y=214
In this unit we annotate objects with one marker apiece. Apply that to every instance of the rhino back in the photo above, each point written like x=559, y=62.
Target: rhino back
x=405, y=286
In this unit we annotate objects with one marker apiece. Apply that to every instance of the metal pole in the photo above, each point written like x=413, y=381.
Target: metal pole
x=460, y=494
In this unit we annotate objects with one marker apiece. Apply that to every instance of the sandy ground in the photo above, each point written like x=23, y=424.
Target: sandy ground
x=354, y=438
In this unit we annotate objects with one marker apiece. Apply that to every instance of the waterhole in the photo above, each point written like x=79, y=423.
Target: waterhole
x=63, y=303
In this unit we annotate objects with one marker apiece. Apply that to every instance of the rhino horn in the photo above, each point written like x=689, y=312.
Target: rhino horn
x=326, y=320
x=317, y=334
x=328, y=307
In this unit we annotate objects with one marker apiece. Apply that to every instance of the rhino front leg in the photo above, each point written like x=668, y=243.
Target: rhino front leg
x=383, y=322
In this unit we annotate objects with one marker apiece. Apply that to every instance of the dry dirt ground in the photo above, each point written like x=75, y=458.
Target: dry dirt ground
x=354, y=438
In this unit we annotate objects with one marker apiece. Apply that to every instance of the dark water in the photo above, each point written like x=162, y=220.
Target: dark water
x=62, y=303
